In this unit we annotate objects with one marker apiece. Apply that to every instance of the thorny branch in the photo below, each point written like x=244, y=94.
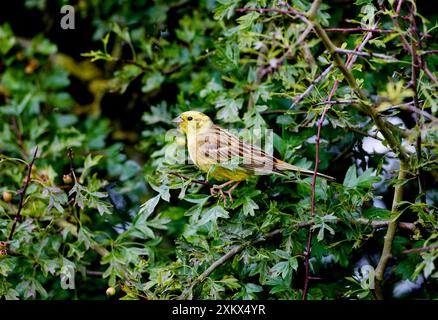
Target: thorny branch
x=350, y=61
x=406, y=45
x=364, y=105
x=238, y=248
x=231, y=253
x=72, y=198
x=22, y=193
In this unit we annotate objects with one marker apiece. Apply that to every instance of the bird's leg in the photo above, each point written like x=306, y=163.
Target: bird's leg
x=229, y=191
x=218, y=188
x=214, y=190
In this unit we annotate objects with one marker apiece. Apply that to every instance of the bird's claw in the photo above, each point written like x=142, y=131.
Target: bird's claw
x=218, y=189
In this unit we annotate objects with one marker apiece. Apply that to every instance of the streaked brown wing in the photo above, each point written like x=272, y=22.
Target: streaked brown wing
x=219, y=146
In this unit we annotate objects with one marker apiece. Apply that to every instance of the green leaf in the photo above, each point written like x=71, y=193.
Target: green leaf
x=7, y=39
x=350, y=180
x=249, y=207
x=147, y=208
x=90, y=162
x=280, y=268
x=213, y=214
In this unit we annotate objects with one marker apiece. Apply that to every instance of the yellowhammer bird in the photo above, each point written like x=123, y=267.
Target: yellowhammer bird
x=224, y=157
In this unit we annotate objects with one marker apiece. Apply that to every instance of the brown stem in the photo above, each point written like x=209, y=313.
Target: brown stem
x=294, y=13
x=394, y=144
x=312, y=85
x=358, y=30
x=429, y=52
x=238, y=248
x=367, y=54
x=350, y=61
x=406, y=45
x=94, y=273
x=22, y=193
x=422, y=249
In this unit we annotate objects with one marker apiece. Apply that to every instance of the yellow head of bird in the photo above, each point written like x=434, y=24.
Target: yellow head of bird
x=193, y=120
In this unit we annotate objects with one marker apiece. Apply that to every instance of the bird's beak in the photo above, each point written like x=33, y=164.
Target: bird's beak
x=177, y=120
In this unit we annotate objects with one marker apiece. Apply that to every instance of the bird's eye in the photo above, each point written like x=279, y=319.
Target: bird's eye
x=190, y=118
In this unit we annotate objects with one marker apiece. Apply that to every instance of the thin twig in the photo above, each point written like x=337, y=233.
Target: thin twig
x=350, y=61
x=312, y=85
x=364, y=133
x=429, y=52
x=22, y=193
x=70, y=158
x=406, y=45
x=335, y=102
x=367, y=54
x=238, y=248
x=358, y=30
x=412, y=106
x=231, y=253
x=422, y=249
x=94, y=273
x=393, y=143
x=294, y=13
x=279, y=62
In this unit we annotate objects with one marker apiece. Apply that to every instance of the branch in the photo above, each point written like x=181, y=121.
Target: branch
x=335, y=102
x=429, y=52
x=390, y=233
x=422, y=249
x=312, y=85
x=364, y=133
x=94, y=273
x=295, y=14
x=358, y=30
x=368, y=54
x=376, y=224
x=238, y=248
x=22, y=193
x=381, y=125
x=406, y=44
x=234, y=250
x=289, y=51
x=350, y=61
x=314, y=9
x=291, y=11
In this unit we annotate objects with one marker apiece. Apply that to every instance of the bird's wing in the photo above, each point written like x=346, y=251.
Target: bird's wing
x=220, y=146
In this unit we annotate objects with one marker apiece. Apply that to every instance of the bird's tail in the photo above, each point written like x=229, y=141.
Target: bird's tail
x=284, y=166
